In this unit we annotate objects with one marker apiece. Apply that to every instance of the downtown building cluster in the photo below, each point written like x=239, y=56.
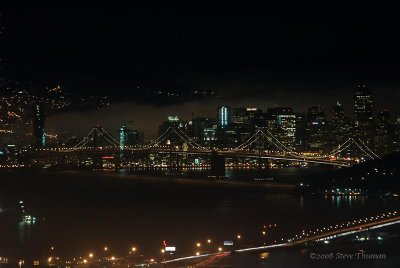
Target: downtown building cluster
x=308, y=132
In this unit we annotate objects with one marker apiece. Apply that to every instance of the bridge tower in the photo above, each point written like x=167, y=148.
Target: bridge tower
x=169, y=143
x=260, y=147
x=96, y=138
x=174, y=163
x=217, y=164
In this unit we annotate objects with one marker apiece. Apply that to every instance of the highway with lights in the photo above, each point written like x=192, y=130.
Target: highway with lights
x=318, y=235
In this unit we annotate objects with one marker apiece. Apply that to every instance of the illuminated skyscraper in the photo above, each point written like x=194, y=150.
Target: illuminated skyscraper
x=363, y=117
x=224, y=116
x=284, y=125
x=300, y=131
x=209, y=136
x=128, y=137
x=316, y=129
x=245, y=116
x=197, y=128
x=123, y=137
x=245, y=121
x=340, y=125
x=39, y=125
x=384, y=137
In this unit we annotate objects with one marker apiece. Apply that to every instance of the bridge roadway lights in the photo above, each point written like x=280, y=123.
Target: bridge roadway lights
x=100, y=137
x=114, y=150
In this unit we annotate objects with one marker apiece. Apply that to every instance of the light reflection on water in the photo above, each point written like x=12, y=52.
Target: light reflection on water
x=25, y=230
x=86, y=211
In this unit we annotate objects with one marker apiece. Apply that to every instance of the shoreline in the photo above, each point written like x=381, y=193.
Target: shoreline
x=184, y=179
x=151, y=179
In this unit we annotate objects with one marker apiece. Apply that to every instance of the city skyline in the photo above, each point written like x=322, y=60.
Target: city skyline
x=194, y=134
x=186, y=111
x=302, y=132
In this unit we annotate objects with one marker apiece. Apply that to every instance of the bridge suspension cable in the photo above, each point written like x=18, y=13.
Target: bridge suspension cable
x=84, y=141
x=248, y=142
x=278, y=144
x=108, y=137
x=360, y=145
x=168, y=134
x=282, y=146
x=89, y=137
x=373, y=156
x=270, y=138
x=341, y=147
x=158, y=140
x=368, y=149
x=189, y=140
x=101, y=133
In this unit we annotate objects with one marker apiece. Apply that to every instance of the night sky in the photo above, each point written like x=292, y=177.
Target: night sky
x=272, y=54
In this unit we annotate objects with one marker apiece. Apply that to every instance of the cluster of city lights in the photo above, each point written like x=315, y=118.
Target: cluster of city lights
x=344, y=192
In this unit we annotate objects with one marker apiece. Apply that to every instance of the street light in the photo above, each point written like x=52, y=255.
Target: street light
x=105, y=248
x=197, y=253
x=90, y=255
x=198, y=244
x=220, y=249
x=209, y=241
x=238, y=236
x=133, y=249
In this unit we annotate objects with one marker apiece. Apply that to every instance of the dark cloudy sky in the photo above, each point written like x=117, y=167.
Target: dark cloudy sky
x=282, y=53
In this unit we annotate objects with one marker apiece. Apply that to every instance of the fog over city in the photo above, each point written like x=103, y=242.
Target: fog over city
x=259, y=91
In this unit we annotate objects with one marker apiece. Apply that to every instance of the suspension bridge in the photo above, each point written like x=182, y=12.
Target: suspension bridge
x=261, y=145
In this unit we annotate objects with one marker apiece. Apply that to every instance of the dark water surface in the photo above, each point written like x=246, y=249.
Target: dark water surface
x=81, y=212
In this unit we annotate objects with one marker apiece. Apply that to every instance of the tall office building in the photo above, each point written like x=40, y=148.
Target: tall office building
x=197, y=126
x=245, y=121
x=210, y=136
x=384, y=138
x=128, y=137
x=340, y=125
x=122, y=137
x=282, y=120
x=245, y=116
x=226, y=134
x=316, y=129
x=363, y=116
x=300, y=131
x=224, y=116
x=39, y=125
